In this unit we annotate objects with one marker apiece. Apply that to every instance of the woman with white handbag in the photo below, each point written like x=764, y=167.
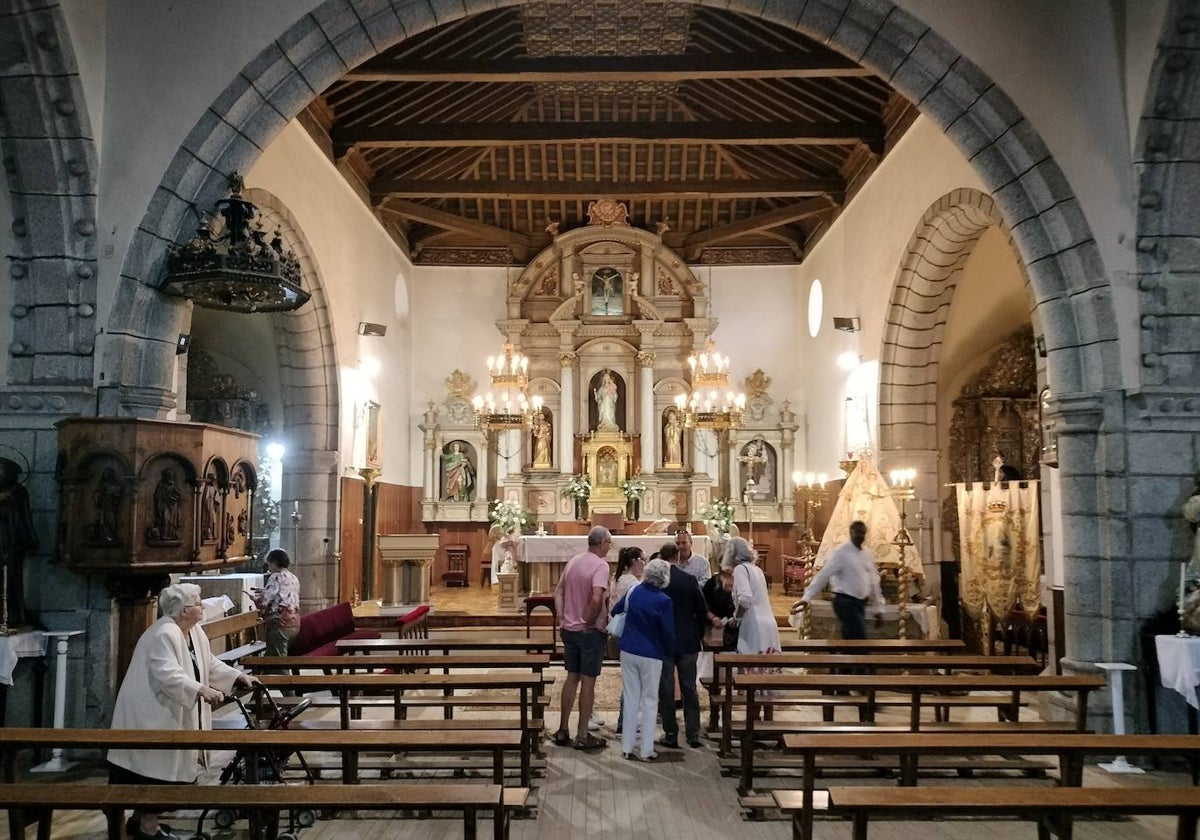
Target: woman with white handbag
x=644, y=622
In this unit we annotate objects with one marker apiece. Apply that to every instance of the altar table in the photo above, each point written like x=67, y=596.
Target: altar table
x=1179, y=665
x=543, y=558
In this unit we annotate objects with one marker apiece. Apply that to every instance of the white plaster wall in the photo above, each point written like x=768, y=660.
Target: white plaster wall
x=454, y=311
x=359, y=265
x=165, y=63
x=857, y=261
x=1098, y=56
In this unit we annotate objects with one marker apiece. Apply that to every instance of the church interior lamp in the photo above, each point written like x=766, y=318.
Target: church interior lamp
x=230, y=265
x=506, y=406
x=712, y=403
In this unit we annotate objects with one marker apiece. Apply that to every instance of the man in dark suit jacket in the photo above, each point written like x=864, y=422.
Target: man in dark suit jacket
x=690, y=622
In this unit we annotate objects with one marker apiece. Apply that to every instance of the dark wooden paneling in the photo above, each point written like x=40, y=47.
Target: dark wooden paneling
x=351, y=543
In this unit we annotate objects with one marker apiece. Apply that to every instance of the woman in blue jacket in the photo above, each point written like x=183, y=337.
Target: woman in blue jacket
x=648, y=638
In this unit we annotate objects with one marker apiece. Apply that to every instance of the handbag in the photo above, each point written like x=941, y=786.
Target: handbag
x=616, y=624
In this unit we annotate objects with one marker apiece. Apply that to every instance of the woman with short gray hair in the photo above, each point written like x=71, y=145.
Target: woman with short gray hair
x=757, y=630
x=648, y=639
x=172, y=681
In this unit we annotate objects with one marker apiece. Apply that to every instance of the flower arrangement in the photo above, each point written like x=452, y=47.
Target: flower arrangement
x=633, y=489
x=578, y=488
x=718, y=517
x=509, y=515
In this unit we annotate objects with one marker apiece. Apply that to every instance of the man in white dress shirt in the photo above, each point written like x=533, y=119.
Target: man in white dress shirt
x=693, y=564
x=854, y=578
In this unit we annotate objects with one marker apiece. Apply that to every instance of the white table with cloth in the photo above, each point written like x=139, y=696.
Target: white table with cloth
x=13, y=648
x=543, y=558
x=1179, y=665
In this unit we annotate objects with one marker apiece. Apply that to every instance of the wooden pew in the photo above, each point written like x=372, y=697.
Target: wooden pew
x=527, y=687
x=1051, y=807
x=446, y=646
x=1071, y=751
x=400, y=663
x=262, y=802
x=917, y=687
x=256, y=743
x=714, y=641
x=227, y=632
x=724, y=665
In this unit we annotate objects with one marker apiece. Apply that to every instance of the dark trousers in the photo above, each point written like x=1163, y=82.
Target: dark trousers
x=685, y=664
x=852, y=614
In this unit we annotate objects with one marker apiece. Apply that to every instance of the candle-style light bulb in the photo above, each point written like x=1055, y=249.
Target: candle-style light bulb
x=797, y=478
x=822, y=478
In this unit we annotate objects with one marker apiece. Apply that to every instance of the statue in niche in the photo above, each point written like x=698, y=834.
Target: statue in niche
x=243, y=521
x=210, y=509
x=229, y=529
x=106, y=499
x=168, y=503
x=17, y=538
x=542, y=433
x=606, y=469
x=606, y=404
x=458, y=474
x=672, y=439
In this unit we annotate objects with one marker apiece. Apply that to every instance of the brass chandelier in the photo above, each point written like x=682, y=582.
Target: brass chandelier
x=506, y=405
x=712, y=403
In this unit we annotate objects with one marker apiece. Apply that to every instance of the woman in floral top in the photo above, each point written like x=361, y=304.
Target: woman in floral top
x=279, y=603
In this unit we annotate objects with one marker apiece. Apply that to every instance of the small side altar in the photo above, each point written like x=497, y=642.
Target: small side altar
x=607, y=461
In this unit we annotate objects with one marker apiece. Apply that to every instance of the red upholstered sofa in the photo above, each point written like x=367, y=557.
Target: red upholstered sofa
x=322, y=630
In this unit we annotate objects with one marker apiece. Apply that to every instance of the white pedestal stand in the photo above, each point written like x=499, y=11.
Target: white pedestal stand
x=1116, y=673
x=57, y=764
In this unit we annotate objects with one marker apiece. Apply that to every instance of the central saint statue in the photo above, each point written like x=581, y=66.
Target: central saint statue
x=606, y=404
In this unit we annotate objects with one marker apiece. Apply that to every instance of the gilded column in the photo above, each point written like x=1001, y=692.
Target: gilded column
x=566, y=419
x=649, y=427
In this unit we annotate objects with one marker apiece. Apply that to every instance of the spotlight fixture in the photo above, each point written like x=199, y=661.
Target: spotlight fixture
x=367, y=328
x=847, y=324
x=182, y=344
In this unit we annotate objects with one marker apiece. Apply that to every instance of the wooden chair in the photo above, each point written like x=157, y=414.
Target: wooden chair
x=795, y=574
x=456, y=565
x=763, y=552
x=532, y=602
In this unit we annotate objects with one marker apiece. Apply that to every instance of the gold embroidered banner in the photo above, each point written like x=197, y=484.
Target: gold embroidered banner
x=1000, y=560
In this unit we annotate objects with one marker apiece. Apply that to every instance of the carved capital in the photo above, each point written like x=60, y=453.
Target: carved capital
x=567, y=359
x=645, y=359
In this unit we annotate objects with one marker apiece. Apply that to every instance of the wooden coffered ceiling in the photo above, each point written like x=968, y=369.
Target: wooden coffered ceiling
x=476, y=141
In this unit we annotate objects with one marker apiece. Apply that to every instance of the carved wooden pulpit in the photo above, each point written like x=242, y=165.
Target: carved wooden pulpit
x=140, y=499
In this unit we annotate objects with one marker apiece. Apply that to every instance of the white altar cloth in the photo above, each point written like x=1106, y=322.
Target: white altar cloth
x=560, y=549
x=17, y=647
x=1179, y=665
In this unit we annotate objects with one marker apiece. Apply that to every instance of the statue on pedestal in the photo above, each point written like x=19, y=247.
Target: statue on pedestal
x=672, y=439
x=606, y=404
x=541, y=440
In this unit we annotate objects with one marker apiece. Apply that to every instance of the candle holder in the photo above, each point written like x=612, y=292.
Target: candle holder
x=902, y=492
x=1180, y=606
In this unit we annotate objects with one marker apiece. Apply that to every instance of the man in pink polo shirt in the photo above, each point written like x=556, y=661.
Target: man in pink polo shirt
x=580, y=598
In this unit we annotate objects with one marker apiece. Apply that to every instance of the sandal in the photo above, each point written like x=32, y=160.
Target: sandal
x=589, y=742
x=562, y=738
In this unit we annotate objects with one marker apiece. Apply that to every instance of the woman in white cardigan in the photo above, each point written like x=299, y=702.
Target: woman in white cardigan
x=173, y=681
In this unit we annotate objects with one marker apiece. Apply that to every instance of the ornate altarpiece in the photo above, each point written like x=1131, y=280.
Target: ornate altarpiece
x=609, y=298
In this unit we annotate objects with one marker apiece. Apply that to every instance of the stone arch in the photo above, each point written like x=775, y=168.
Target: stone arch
x=1166, y=243
x=916, y=319
x=51, y=168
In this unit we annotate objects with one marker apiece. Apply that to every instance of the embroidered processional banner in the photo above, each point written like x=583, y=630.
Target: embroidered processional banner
x=998, y=523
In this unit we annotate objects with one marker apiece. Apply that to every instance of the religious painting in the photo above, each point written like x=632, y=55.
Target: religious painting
x=608, y=291
x=374, y=432
x=607, y=468
x=458, y=472
x=606, y=408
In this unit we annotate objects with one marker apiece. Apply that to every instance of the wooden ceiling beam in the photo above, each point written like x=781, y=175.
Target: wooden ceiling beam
x=581, y=190
x=449, y=221
x=729, y=133
x=598, y=68
x=774, y=218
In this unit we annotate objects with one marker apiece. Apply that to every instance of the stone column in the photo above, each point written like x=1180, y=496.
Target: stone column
x=430, y=471
x=648, y=423
x=310, y=477
x=566, y=419
x=482, y=494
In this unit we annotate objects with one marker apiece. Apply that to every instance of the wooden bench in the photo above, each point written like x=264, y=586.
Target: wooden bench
x=918, y=688
x=228, y=633
x=724, y=665
x=1071, y=751
x=446, y=646
x=526, y=686
x=1053, y=808
x=713, y=641
x=400, y=663
x=262, y=803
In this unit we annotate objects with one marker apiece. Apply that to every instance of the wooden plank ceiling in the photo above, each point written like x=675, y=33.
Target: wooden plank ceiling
x=736, y=139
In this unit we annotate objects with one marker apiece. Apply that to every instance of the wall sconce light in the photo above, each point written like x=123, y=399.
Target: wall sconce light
x=367, y=328
x=182, y=344
x=847, y=324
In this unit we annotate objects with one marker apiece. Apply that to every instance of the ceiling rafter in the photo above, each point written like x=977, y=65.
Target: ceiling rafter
x=580, y=189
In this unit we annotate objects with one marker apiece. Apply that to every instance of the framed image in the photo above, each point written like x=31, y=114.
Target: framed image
x=374, y=430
